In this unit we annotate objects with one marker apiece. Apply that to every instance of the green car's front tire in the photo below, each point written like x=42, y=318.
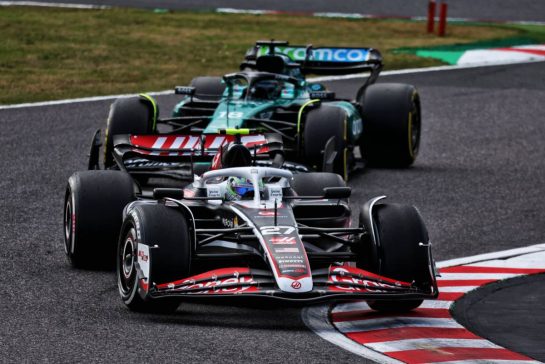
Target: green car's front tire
x=320, y=125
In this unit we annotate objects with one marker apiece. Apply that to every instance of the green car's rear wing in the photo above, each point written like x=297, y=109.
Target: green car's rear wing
x=321, y=60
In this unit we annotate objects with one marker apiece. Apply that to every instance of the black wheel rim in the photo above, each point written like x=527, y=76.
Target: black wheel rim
x=126, y=262
x=69, y=225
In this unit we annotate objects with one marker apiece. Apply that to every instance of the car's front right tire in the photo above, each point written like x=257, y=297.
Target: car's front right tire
x=164, y=231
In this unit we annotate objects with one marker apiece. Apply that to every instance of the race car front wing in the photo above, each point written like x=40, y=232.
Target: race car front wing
x=335, y=282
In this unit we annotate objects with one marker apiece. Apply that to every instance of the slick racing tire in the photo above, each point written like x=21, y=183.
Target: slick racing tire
x=398, y=252
x=391, y=125
x=165, y=231
x=132, y=115
x=93, y=208
x=320, y=125
x=208, y=88
x=313, y=184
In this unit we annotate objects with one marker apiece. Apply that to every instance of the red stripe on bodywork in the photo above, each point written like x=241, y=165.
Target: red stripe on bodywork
x=474, y=269
x=147, y=141
x=450, y=354
x=235, y=272
x=370, y=314
x=404, y=333
x=143, y=284
x=367, y=274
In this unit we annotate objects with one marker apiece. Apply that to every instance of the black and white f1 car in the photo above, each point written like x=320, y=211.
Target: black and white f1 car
x=257, y=231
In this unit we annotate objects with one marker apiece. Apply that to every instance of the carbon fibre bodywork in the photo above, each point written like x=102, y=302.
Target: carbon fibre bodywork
x=275, y=244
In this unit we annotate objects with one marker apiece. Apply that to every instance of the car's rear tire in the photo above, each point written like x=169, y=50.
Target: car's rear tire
x=320, y=125
x=313, y=184
x=152, y=225
x=208, y=88
x=131, y=115
x=93, y=208
x=391, y=125
x=398, y=252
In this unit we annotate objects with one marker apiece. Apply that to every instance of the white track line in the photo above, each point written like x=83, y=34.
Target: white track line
x=315, y=79
x=371, y=16
x=54, y=5
x=491, y=361
x=476, y=276
x=490, y=256
x=82, y=99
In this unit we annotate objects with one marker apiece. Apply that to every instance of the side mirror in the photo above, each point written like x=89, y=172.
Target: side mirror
x=337, y=192
x=176, y=193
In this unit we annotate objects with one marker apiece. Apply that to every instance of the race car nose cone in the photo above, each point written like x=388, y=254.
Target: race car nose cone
x=295, y=285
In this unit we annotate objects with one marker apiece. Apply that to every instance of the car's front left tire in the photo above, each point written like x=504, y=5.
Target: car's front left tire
x=400, y=251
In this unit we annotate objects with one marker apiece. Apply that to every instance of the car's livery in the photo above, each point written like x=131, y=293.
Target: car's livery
x=270, y=94
x=258, y=231
x=274, y=243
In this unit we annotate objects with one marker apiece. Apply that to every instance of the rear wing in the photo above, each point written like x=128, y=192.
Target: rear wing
x=189, y=148
x=321, y=60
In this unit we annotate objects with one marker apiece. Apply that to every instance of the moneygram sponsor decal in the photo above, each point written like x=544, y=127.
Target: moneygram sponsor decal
x=337, y=276
x=321, y=54
x=286, y=250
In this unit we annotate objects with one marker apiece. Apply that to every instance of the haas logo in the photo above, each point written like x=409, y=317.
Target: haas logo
x=296, y=285
x=267, y=213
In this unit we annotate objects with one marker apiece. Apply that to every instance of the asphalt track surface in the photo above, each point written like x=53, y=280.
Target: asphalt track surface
x=503, y=10
x=473, y=311
x=478, y=183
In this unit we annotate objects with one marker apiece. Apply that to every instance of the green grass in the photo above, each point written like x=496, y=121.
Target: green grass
x=48, y=54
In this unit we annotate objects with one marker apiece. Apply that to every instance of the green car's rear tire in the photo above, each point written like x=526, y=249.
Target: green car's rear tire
x=208, y=88
x=93, y=208
x=132, y=115
x=151, y=225
x=398, y=252
x=391, y=125
x=320, y=125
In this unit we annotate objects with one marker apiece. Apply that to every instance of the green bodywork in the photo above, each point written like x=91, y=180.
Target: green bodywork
x=234, y=110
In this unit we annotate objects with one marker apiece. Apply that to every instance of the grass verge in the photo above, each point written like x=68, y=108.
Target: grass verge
x=49, y=54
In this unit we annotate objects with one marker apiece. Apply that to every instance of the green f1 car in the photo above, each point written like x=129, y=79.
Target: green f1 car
x=270, y=94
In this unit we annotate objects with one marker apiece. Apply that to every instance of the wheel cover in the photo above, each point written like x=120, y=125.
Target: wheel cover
x=69, y=225
x=126, y=262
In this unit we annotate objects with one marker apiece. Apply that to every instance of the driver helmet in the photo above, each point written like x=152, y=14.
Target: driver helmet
x=240, y=189
x=266, y=89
